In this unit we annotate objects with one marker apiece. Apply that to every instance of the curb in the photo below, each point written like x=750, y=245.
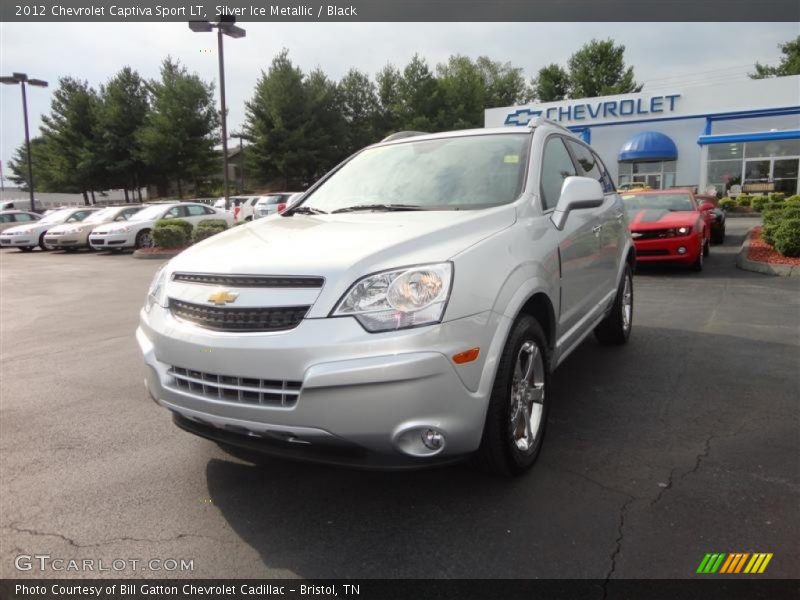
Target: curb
x=746, y=264
x=160, y=255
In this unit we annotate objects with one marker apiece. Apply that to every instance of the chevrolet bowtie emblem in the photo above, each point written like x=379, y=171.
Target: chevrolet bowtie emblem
x=222, y=297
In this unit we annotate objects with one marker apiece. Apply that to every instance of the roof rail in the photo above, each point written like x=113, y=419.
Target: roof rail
x=535, y=121
x=402, y=134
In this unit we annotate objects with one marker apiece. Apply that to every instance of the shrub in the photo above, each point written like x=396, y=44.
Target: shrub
x=793, y=199
x=758, y=202
x=170, y=236
x=743, y=200
x=773, y=220
x=205, y=229
x=787, y=237
x=185, y=226
x=777, y=197
x=726, y=203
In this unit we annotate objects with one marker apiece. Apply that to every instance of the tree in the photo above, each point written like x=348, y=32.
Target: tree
x=123, y=110
x=551, y=84
x=324, y=127
x=274, y=121
x=179, y=134
x=462, y=89
x=360, y=108
x=419, y=96
x=70, y=149
x=18, y=167
x=789, y=62
x=505, y=84
x=598, y=69
x=388, y=80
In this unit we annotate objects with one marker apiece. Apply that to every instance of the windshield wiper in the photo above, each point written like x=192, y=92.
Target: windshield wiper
x=307, y=210
x=386, y=207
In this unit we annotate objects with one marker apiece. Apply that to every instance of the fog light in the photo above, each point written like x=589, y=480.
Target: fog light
x=681, y=249
x=432, y=439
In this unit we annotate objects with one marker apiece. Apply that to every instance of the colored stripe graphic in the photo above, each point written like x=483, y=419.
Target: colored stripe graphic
x=727, y=564
x=734, y=563
x=764, y=564
x=740, y=564
x=703, y=563
x=713, y=568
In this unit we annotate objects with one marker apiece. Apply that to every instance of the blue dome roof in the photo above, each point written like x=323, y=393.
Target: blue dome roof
x=648, y=145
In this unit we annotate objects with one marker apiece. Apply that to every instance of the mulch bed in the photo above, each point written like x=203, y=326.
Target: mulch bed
x=760, y=251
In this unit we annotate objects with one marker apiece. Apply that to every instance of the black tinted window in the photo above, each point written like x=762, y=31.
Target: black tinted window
x=556, y=167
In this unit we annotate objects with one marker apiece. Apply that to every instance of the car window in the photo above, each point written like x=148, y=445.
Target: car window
x=5, y=219
x=585, y=159
x=605, y=178
x=174, y=212
x=79, y=216
x=22, y=217
x=209, y=211
x=556, y=167
x=195, y=211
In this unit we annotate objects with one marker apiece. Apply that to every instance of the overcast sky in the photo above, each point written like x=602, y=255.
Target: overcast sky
x=675, y=56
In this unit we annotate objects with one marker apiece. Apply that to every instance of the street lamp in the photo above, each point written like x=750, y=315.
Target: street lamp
x=241, y=136
x=22, y=79
x=225, y=26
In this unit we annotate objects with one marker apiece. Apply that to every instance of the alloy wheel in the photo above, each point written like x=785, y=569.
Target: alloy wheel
x=527, y=396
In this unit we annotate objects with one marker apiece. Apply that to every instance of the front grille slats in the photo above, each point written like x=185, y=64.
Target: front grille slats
x=254, y=319
x=251, y=281
x=264, y=392
x=653, y=234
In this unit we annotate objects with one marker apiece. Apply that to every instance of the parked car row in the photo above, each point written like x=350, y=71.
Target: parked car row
x=247, y=208
x=109, y=228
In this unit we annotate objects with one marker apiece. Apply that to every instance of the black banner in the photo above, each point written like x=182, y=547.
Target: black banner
x=402, y=10
x=388, y=589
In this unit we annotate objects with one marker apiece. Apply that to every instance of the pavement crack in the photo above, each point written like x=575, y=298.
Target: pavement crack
x=617, y=545
x=595, y=482
x=72, y=542
x=671, y=480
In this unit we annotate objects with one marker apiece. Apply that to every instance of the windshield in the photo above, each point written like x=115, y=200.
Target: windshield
x=150, y=213
x=273, y=199
x=672, y=202
x=451, y=173
x=100, y=215
x=57, y=216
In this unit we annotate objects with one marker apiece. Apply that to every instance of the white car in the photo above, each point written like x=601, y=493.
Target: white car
x=27, y=237
x=136, y=231
x=409, y=311
x=72, y=236
x=242, y=207
x=273, y=204
x=14, y=218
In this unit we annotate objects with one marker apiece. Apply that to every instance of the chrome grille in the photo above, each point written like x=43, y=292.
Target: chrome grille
x=273, y=318
x=652, y=234
x=250, y=281
x=243, y=390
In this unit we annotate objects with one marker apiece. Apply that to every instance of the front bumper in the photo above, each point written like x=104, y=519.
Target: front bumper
x=101, y=241
x=364, y=398
x=667, y=249
x=16, y=241
x=65, y=241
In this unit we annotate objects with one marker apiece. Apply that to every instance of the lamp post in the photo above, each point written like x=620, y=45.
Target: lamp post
x=21, y=79
x=225, y=26
x=240, y=135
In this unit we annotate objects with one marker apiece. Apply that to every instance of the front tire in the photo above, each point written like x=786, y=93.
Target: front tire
x=517, y=415
x=707, y=248
x=144, y=239
x=615, y=329
x=41, y=242
x=697, y=265
x=26, y=248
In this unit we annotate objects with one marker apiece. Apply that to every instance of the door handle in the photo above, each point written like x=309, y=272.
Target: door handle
x=619, y=215
x=596, y=229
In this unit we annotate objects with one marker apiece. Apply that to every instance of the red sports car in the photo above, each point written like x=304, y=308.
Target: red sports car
x=669, y=225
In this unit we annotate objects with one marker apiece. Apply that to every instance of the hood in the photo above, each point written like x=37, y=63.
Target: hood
x=33, y=225
x=68, y=226
x=342, y=248
x=656, y=218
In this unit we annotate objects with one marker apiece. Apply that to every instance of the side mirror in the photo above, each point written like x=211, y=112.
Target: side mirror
x=577, y=193
x=704, y=206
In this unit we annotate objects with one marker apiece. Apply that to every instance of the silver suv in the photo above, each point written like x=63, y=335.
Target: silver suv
x=408, y=311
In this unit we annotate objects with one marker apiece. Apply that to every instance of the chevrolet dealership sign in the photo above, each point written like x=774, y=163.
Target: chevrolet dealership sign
x=581, y=110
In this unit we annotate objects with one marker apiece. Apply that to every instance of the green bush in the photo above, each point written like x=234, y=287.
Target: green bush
x=205, y=229
x=773, y=219
x=793, y=199
x=170, y=236
x=787, y=237
x=726, y=203
x=758, y=202
x=777, y=197
x=772, y=207
x=185, y=226
x=743, y=200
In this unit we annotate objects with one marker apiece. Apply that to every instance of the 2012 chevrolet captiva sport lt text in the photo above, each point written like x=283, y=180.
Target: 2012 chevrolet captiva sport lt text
x=407, y=310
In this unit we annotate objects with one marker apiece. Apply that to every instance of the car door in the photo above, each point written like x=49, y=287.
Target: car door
x=609, y=217
x=577, y=241
x=195, y=213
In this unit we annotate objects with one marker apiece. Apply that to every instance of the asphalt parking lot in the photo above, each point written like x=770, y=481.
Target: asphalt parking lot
x=683, y=442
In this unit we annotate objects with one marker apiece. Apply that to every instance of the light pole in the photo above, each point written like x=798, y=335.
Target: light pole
x=225, y=26
x=22, y=79
x=241, y=136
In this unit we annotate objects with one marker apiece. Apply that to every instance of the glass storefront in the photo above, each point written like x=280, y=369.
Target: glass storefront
x=758, y=167
x=658, y=175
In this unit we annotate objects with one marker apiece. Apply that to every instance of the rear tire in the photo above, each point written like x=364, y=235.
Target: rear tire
x=26, y=249
x=707, y=247
x=517, y=414
x=41, y=242
x=615, y=329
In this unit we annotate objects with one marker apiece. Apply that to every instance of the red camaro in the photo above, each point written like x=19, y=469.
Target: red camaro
x=668, y=225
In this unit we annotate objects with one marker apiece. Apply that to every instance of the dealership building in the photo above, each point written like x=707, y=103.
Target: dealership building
x=735, y=137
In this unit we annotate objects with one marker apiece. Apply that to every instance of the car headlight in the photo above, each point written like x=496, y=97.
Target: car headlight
x=681, y=231
x=157, y=291
x=121, y=229
x=400, y=298
x=72, y=230
x=22, y=232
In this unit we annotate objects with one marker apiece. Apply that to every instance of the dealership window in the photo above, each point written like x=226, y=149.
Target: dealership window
x=658, y=175
x=758, y=167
